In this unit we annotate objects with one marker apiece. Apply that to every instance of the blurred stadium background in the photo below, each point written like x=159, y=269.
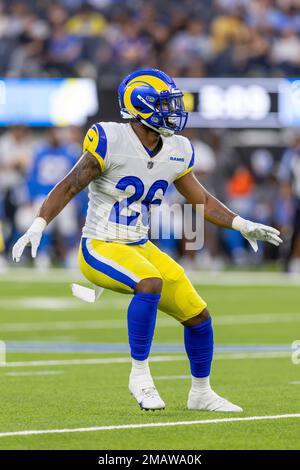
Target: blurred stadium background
x=61, y=63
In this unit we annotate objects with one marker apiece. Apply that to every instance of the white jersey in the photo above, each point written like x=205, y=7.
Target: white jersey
x=131, y=180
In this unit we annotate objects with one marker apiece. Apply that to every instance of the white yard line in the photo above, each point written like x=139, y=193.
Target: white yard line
x=148, y=425
x=125, y=360
x=253, y=355
x=187, y=377
x=296, y=382
x=77, y=325
x=90, y=361
x=58, y=303
x=28, y=374
x=253, y=278
x=258, y=318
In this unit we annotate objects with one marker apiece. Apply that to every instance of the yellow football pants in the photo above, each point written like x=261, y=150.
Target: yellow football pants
x=121, y=267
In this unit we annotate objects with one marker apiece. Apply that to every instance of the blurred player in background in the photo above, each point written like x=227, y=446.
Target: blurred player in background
x=2, y=243
x=15, y=156
x=128, y=168
x=50, y=164
x=289, y=176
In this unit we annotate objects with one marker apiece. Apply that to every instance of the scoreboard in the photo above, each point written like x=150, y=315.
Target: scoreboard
x=241, y=102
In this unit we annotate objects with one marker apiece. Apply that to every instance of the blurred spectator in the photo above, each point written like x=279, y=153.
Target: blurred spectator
x=15, y=156
x=50, y=164
x=251, y=54
x=262, y=163
x=57, y=15
x=289, y=175
x=131, y=47
x=18, y=13
x=191, y=44
x=228, y=28
x=64, y=51
x=286, y=52
x=4, y=21
x=86, y=23
x=239, y=190
x=204, y=170
x=284, y=213
x=27, y=58
x=2, y=242
x=73, y=136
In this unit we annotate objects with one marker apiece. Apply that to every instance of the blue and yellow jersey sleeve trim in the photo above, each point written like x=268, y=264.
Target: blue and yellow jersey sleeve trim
x=95, y=142
x=191, y=164
x=183, y=174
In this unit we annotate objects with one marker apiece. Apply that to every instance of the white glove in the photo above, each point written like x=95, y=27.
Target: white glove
x=253, y=232
x=31, y=237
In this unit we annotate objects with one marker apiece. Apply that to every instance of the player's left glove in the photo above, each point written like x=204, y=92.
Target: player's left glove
x=31, y=237
x=253, y=232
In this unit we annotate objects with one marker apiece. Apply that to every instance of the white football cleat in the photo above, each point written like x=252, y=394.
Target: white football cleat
x=144, y=391
x=210, y=401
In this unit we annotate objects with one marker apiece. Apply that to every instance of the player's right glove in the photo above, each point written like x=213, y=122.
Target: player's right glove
x=253, y=232
x=31, y=237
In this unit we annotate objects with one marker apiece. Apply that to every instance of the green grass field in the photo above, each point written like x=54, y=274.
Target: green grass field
x=67, y=368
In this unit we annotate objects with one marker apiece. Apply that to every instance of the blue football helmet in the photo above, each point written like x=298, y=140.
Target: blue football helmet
x=151, y=97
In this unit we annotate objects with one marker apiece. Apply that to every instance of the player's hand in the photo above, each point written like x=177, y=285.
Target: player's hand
x=254, y=232
x=31, y=237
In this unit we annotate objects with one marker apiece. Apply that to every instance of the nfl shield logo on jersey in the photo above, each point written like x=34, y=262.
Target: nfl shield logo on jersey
x=150, y=165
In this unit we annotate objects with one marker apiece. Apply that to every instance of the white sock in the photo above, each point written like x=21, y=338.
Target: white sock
x=140, y=368
x=201, y=384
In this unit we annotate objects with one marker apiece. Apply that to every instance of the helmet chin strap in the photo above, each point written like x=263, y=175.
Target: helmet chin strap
x=161, y=130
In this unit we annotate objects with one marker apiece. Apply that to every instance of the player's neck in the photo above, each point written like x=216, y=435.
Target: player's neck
x=148, y=137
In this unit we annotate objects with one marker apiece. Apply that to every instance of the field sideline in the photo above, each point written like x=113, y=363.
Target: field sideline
x=64, y=385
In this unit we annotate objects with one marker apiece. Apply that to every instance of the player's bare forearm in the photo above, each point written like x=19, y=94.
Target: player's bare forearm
x=86, y=170
x=214, y=210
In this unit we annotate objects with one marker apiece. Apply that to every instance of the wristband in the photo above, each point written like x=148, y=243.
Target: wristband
x=239, y=223
x=38, y=225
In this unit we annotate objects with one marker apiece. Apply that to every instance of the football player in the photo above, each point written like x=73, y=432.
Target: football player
x=128, y=168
